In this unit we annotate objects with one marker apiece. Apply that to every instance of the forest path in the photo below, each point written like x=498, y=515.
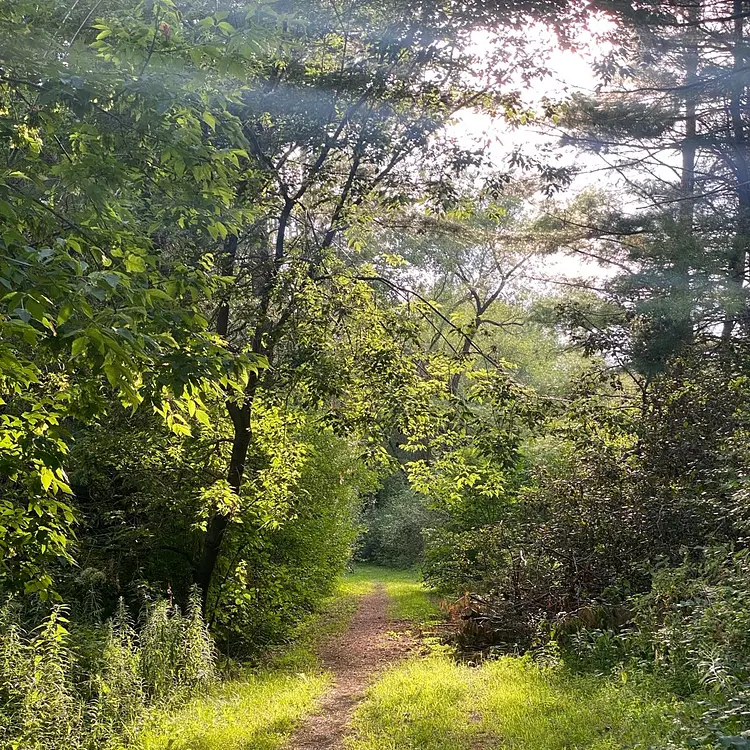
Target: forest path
x=372, y=642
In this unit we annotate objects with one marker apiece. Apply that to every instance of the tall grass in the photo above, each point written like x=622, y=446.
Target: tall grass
x=259, y=708
x=54, y=695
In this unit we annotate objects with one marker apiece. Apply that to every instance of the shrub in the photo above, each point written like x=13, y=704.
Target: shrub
x=38, y=707
x=695, y=621
x=44, y=703
x=395, y=526
x=275, y=574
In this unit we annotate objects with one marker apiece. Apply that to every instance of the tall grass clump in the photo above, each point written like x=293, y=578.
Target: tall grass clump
x=176, y=652
x=49, y=700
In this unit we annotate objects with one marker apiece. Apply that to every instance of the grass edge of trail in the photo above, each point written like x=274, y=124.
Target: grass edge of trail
x=410, y=600
x=260, y=707
x=434, y=702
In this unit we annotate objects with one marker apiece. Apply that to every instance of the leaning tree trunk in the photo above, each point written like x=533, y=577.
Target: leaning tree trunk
x=240, y=415
x=219, y=522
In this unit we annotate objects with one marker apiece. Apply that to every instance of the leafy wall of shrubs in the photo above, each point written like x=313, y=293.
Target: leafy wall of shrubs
x=395, y=522
x=143, y=495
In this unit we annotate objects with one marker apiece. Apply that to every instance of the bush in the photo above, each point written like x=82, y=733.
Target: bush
x=615, y=487
x=145, y=494
x=38, y=706
x=47, y=702
x=695, y=621
x=395, y=526
x=275, y=575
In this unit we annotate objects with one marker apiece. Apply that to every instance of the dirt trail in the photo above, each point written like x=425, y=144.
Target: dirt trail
x=371, y=643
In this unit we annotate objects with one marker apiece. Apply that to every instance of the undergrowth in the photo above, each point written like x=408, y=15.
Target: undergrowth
x=436, y=703
x=87, y=688
x=258, y=708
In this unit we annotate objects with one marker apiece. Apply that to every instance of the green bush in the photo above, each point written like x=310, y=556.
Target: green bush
x=48, y=701
x=395, y=526
x=274, y=575
x=147, y=494
x=695, y=621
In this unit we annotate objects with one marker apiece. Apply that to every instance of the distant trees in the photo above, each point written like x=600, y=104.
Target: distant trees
x=672, y=123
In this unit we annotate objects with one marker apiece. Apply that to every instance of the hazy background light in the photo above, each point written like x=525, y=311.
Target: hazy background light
x=569, y=70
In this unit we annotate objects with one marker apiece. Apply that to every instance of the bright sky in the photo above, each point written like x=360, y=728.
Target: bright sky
x=570, y=72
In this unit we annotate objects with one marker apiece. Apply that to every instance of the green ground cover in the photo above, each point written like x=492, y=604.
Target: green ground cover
x=425, y=703
x=435, y=703
x=260, y=708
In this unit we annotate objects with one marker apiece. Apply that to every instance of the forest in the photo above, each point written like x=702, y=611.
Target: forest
x=419, y=325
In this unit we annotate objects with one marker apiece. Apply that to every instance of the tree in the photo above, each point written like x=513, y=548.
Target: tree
x=358, y=96
x=675, y=132
x=95, y=161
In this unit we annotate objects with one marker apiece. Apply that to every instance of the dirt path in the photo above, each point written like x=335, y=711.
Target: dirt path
x=371, y=643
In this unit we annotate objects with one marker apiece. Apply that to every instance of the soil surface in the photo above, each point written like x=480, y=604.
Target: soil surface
x=371, y=643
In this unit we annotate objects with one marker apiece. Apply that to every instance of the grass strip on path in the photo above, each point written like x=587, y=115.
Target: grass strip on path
x=410, y=601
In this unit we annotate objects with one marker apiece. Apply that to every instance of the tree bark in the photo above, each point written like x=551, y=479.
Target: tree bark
x=739, y=251
x=687, y=181
x=219, y=522
x=240, y=414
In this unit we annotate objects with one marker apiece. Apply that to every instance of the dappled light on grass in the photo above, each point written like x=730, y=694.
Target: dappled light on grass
x=435, y=703
x=258, y=712
x=410, y=600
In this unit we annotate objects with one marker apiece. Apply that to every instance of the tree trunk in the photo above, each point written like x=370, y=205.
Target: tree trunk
x=687, y=181
x=239, y=414
x=241, y=438
x=455, y=379
x=219, y=522
x=739, y=251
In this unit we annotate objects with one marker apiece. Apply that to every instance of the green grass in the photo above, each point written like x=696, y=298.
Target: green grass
x=257, y=712
x=410, y=600
x=431, y=703
x=509, y=704
x=360, y=581
x=261, y=708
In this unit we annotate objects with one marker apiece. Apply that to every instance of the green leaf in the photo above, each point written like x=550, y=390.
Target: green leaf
x=46, y=476
x=35, y=308
x=134, y=263
x=80, y=345
x=66, y=310
x=112, y=279
x=210, y=120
